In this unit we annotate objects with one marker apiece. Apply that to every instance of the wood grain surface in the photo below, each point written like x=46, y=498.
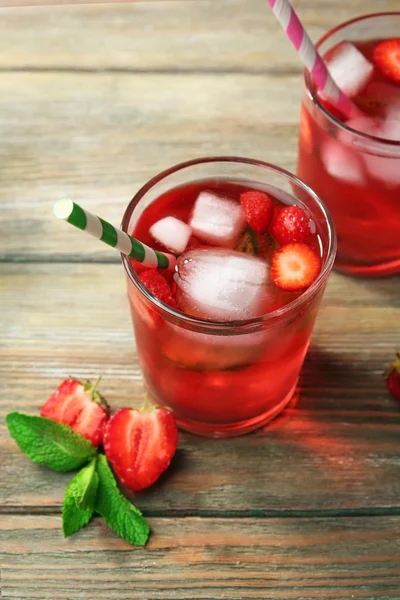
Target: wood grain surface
x=94, y=100
x=193, y=559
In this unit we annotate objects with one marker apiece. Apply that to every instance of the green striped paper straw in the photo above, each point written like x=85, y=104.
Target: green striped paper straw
x=107, y=233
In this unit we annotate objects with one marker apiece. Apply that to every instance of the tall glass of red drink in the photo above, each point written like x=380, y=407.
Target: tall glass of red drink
x=354, y=164
x=224, y=377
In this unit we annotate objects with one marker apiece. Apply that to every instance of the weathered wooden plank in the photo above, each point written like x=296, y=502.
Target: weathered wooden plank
x=233, y=34
x=277, y=559
x=338, y=449
x=98, y=138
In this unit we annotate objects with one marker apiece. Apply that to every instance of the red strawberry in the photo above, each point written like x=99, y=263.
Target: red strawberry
x=291, y=224
x=295, y=266
x=387, y=58
x=140, y=444
x=258, y=209
x=81, y=407
x=393, y=377
x=158, y=286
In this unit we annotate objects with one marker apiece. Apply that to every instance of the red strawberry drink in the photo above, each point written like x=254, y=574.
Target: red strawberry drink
x=221, y=340
x=354, y=164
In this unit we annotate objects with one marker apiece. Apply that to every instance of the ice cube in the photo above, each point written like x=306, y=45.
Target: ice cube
x=341, y=162
x=171, y=233
x=391, y=124
x=217, y=220
x=385, y=169
x=221, y=285
x=349, y=68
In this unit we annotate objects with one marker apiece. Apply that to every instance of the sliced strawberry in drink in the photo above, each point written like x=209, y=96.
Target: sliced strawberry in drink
x=80, y=406
x=140, y=444
x=258, y=209
x=291, y=224
x=158, y=286
x=386, y=56
x=295, y=267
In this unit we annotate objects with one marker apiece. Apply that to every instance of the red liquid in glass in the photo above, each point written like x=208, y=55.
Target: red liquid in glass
x=217, y=383
x=363, y=196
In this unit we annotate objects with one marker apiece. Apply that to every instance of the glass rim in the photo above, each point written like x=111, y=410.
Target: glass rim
x=278, y=314
x=318, y=103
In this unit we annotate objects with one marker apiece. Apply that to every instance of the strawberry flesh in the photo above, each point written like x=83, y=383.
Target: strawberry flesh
x=158, y=286
x=140, y=445
x=80, y=407
x=295, y=267
x=258, y=209
x=386, y=56
x=291, y=224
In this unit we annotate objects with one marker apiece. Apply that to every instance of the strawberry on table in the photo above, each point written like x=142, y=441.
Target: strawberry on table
x=386, y=56
x=80, y=406
x=393, y=377
x=295, y=267
x=158, y=286
x=291, y=224
x=258, y=209
x=140, y=444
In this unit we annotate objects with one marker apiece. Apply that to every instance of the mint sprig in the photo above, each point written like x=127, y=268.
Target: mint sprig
x=119, y=514
x=79, y=499
x=49, y=443
x=93, y=489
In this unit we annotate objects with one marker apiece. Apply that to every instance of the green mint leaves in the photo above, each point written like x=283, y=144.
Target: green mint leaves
x=116, y=510
x=92, y=490
x=79, y=499
x=49, y=443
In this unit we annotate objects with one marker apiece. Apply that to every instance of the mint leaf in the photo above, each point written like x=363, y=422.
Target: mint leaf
x=116, y=510
x=79, y=499
x=49, y=443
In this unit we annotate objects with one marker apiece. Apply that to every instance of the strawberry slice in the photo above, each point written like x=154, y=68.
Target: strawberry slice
x=386, y=56
x=295, y=267
x=158, y=286
x=80, y=406
x=258, y=209
x=140, y=444
x=291, y=224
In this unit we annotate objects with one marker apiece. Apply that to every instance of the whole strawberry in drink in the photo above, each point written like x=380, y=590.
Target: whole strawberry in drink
x=140, y=444
x=223, y=341
x=80, y=406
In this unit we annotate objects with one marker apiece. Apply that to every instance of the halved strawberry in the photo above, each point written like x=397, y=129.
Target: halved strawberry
x=291, y=224
x=386, y=56
x=80, y=406
x=140, y=444
x=258, y=209
x=295, y=267
x=158, y=286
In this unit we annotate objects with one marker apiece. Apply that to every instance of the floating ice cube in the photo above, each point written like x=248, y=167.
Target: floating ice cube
x=221, y=285
x=391, y=124
x=217, y=220
x=341, y=162
x=385, y=169
x=349, y=68
x=171, y=233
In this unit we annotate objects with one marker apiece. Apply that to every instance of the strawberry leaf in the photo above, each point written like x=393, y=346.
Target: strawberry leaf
x=79, y=499
x=49, y=443
x=119, y=514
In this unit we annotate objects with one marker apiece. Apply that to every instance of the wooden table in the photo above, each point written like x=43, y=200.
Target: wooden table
x=94, y=100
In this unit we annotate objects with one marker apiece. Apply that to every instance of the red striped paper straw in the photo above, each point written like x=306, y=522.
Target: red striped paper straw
x=313, y=62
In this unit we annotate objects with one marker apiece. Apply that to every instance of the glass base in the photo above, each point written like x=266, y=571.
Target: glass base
x=218, y=430
x=381, y=270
